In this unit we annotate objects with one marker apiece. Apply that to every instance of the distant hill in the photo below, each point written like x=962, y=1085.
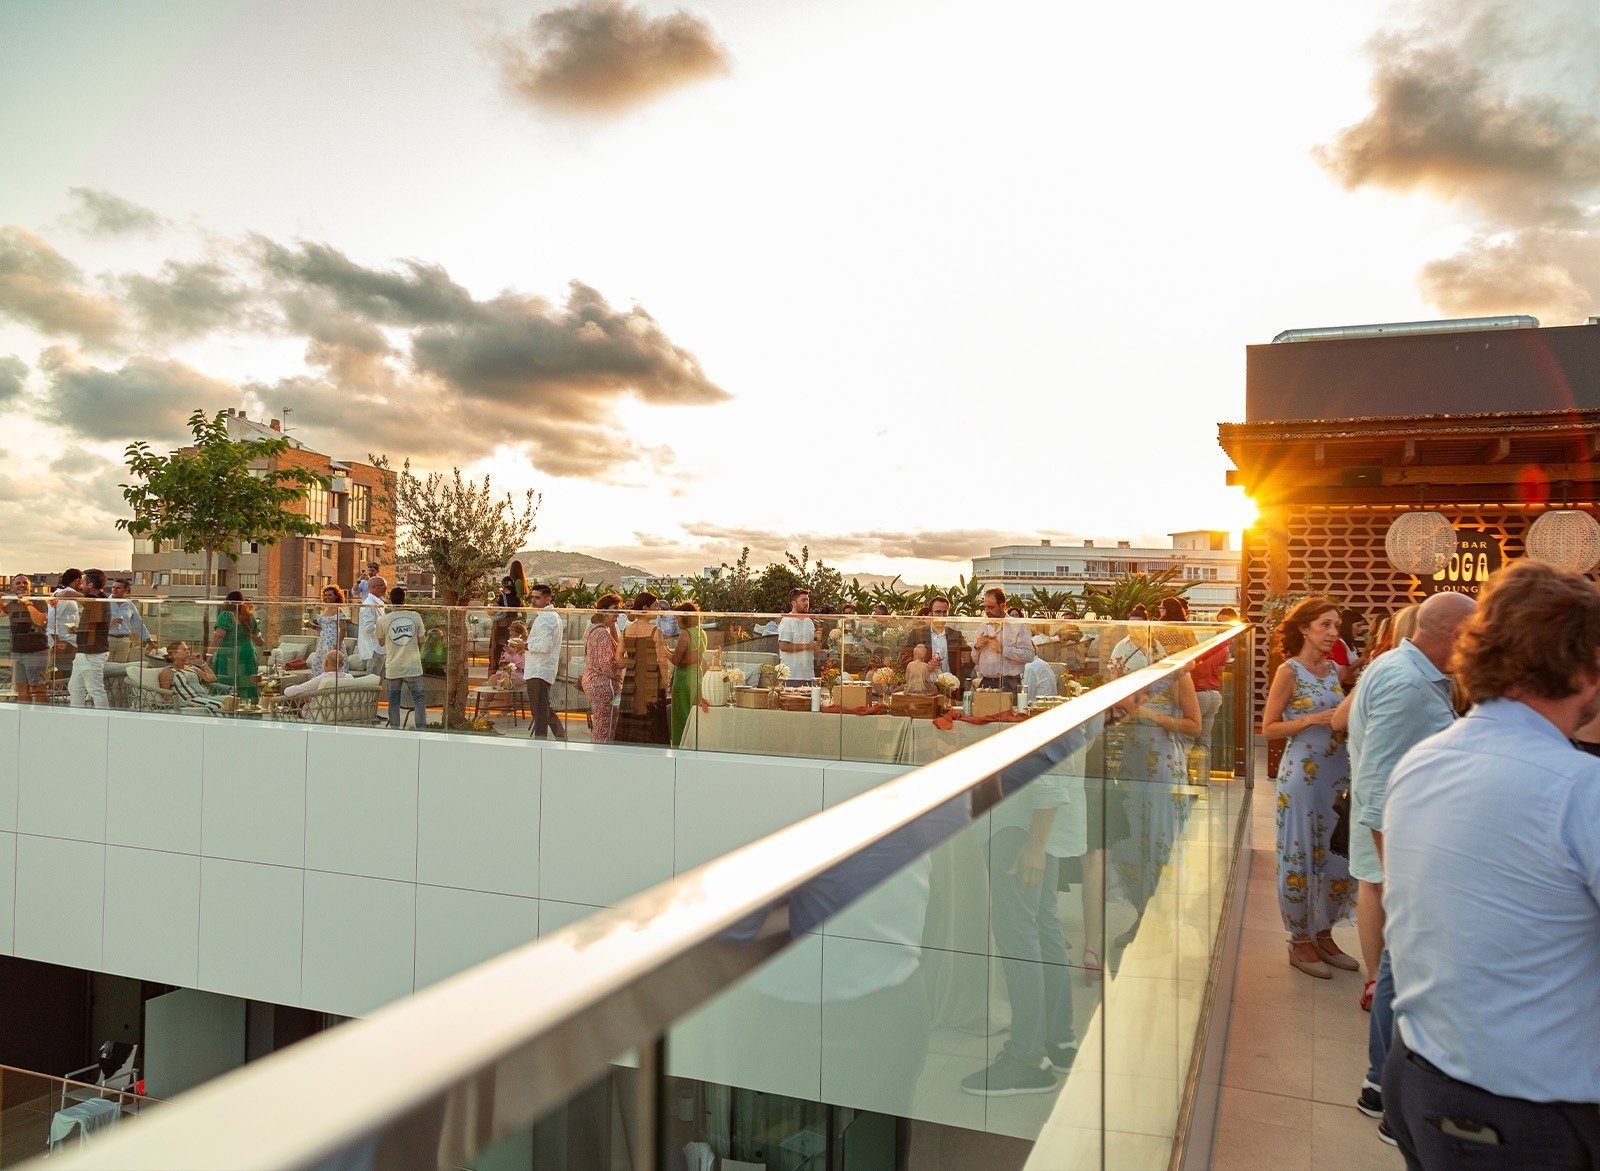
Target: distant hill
x=554, y=565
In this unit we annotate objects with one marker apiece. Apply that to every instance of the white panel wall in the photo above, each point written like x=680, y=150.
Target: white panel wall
x=340, y=869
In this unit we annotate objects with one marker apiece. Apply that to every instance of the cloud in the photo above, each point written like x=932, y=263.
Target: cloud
x=563, y=361
x=100, y=213
x=703, y=543
x=607, y=57
x=1493, y=107
x=96, y=481
x=42, y=288
x=389, y=353
x=417, y=294
x=187, y=299
x=147, y=398
x=13, y=378
x=1446, y=124
x=1553, y=273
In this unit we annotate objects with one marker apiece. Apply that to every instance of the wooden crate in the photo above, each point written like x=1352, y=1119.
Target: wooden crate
x=918, y=707
x=849, y=695
x=991, y=701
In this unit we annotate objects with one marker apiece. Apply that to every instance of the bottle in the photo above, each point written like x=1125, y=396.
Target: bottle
x=816, y=698
x=966, y=702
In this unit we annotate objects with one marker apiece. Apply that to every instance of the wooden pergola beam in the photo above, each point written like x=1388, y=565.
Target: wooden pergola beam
x=1498, y=451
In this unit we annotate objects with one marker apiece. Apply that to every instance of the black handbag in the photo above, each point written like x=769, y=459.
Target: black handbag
x=1339, y=840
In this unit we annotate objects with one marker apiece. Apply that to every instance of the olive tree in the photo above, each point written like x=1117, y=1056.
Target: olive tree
x=466, y=533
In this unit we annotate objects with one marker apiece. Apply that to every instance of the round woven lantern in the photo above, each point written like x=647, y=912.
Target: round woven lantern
x=1420, y=543
x=1567, y=539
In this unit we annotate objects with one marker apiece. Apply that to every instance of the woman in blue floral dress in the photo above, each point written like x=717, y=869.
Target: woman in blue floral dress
x=1315, y=889
x=330, y=626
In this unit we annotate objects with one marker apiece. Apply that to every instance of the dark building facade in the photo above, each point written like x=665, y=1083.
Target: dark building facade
x=1490, y=427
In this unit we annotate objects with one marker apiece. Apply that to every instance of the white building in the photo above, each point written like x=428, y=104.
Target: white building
x=1206, y=557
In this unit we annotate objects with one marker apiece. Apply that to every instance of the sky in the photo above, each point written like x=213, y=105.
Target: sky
x=895, y=280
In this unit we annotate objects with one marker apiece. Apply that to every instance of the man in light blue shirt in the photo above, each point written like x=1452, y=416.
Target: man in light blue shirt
x=1491, y=854
x=1403, y=698
x=126, y=622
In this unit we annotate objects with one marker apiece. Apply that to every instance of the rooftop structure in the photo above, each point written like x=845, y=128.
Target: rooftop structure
x=1489, y=426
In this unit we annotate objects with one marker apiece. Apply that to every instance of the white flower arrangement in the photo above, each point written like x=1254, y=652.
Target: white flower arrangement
x=782, y=671
x=836, y=634
x=945, y=681
x=734, y=676
x=1070, y=687
x=883, y=678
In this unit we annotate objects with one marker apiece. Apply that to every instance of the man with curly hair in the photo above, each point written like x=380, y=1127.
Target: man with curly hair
x=1491, y=851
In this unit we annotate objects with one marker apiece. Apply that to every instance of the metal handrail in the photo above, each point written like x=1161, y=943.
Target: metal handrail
x=434, y=1079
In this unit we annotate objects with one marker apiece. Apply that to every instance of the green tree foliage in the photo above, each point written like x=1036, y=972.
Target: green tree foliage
x=466, y=533
x=1047, y=603
x=209, y=497
x=1133, y=589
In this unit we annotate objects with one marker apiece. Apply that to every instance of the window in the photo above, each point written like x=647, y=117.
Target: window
x=360, y=507
x=311, y=585
x=249, y=582
x=317, y=501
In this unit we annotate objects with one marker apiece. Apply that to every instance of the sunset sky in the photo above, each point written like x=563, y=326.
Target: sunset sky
x=895, y=279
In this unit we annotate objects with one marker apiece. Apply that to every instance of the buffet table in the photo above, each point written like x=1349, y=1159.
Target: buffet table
x=815, y=735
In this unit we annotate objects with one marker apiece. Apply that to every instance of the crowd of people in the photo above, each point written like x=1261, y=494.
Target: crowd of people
x=1443, y=787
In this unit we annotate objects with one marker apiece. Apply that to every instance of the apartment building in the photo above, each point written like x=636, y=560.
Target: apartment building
x=1206, y=557
x=350, y=537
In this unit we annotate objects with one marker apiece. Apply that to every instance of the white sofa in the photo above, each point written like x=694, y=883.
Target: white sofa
x=348, y=701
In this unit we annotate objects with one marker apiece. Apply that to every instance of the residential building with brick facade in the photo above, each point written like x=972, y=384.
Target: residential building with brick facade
x=353, y=533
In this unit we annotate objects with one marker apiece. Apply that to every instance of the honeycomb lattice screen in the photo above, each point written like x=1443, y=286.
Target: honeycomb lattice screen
x=1339, y=551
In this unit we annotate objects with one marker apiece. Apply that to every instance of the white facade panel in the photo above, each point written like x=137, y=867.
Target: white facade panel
x=360, y=942
x=62, y=774
x=457, y=929
x=724, y=802
x=154, y=784
x=361, y=802
x=10, y=754
x=254, y=805
x=60, y=906
x=152, y=915
x=250, y=930
x=478, y=814
x=606, y=829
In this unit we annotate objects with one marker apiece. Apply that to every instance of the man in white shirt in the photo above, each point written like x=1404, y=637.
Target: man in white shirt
x=1002, y=648
x=367, y=645
x=1039, y=679
x=400, y=636
x=797, y=640
x=540, y=662
x=333, y=675
x=61, y=621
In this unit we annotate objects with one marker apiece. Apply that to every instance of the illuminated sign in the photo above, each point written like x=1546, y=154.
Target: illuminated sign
x=1477, y=555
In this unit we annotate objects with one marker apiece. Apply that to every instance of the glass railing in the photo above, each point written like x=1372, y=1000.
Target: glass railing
x=50, y=1115
x=872, y=688
x=1019, y=942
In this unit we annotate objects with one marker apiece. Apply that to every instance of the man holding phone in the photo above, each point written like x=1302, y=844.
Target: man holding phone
x=1491, y=852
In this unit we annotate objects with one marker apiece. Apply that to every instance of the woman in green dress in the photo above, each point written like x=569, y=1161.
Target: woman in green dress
x=688, y=661
x=233, y=648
